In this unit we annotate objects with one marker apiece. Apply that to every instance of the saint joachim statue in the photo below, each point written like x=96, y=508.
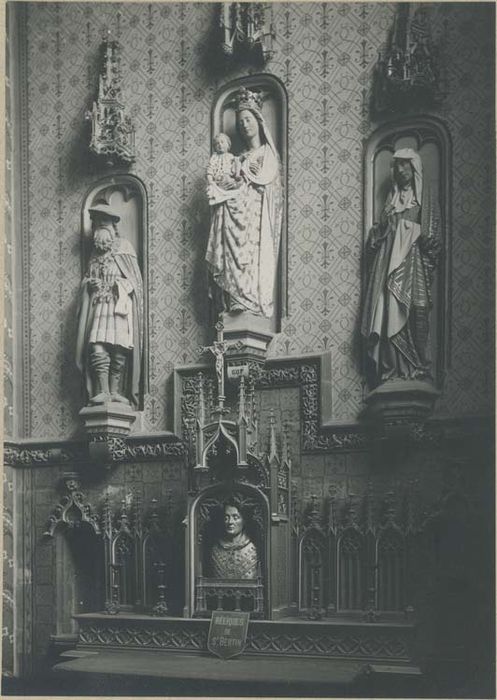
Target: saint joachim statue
x=246, y=215
x=233, y=555
x=109, y=347
x=402, y=252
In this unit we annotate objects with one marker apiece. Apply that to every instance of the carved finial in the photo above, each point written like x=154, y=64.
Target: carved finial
x=273, y=452
x=389, y=506
x=210, y=395
x=154, y=515
x=250, y=400
x=352, y=509
x=169, y=504
x=314, y=510
x=200, y=399
x=123, y=518
x=241, y=404
x=253, y=410
x=331, y=508
x=137, y=514
x=414, y=505
x=136, y=505
x=285, y=455
x=369, y=507
x=107, y=515
x=296, y=515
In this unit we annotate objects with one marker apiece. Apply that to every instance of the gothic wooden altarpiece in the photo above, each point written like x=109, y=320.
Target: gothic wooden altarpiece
x=325, y=574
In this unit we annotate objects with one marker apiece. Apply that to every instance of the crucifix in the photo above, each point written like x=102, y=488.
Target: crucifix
x=218, y=349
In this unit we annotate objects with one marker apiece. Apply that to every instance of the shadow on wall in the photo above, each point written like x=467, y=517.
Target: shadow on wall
x=72, y=385
x=82, y=165
x=200, y=222
x=216, y=64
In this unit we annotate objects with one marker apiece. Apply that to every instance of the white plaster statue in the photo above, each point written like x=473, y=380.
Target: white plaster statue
x=109, y=346
x=246, y=218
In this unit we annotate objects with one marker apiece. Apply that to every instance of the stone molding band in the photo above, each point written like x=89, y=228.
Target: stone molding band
x=30, y=454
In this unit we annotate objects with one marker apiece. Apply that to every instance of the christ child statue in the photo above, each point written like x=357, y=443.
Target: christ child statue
x=223, y=170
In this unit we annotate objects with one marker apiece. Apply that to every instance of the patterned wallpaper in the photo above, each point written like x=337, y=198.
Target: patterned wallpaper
x=8, y=300
x=324, y=55
x=8, y=387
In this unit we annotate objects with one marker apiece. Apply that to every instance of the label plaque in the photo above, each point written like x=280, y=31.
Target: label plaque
x=227, y=633
x=238, y=370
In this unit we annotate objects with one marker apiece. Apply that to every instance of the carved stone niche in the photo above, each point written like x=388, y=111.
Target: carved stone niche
x=124, y=197
x=396, y=403
x=255, y=330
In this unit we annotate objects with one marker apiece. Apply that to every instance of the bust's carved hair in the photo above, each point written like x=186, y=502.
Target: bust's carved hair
x=235, y=502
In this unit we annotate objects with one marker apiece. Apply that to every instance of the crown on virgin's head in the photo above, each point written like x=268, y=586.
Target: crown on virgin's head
x=246, y=99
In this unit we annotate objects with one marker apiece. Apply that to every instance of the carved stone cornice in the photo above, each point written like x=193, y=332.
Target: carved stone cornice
x=50, y=453
x=40, y=453
x=316, y=437
x=145, y=448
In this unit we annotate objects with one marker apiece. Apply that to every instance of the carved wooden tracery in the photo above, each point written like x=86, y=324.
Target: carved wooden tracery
x=313, y=567
x=352, y=564
x=351, y=569
x=391, y=555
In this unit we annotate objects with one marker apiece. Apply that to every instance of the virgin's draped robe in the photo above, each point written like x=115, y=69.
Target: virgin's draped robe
x=402, y=250
x=242, y=251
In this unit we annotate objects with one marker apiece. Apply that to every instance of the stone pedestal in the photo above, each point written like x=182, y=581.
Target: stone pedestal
x=395, y=406
x=247, y=337
x=105, y=422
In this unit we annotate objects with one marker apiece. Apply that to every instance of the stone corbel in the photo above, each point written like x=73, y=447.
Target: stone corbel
x=72, y=510
x=103, y=424
x=394, y=409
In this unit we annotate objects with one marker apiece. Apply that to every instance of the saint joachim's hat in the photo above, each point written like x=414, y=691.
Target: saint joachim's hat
x=104, y=210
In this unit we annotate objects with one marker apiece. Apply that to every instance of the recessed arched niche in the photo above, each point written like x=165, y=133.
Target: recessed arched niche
x=211, y=588
x=275, y=114
x=127, y=197
x=430, y=138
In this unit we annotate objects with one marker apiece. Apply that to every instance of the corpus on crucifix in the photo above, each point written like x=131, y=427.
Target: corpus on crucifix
x=218, y=349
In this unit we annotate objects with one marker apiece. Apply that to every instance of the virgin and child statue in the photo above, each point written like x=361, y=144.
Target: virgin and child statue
x=233, y=555
x=402, y=253
x=246, y=199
